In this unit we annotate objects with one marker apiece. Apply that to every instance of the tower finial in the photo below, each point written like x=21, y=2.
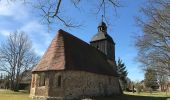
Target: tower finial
x=102, y=18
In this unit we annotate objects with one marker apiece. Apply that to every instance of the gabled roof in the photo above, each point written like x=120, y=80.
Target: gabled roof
x=67, y=52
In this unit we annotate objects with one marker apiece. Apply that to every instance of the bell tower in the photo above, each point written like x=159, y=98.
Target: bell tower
x=104, y=42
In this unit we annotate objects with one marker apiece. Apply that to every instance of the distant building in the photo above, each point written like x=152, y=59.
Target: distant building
x=25, y=82
x=74, y=69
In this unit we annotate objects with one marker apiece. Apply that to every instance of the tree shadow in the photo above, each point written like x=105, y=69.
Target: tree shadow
x=131, y=97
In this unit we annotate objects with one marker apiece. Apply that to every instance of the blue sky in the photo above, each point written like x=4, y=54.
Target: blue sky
x=19, y=17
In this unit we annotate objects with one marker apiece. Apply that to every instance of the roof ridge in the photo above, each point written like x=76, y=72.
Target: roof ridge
x=67, y=33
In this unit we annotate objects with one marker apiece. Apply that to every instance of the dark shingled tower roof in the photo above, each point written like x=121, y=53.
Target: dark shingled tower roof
x=102, y=34
x=67, y=52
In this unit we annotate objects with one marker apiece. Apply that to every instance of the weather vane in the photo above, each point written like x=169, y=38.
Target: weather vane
x=102, y=18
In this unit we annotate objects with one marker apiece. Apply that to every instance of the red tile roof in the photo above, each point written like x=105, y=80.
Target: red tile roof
x=67, y=52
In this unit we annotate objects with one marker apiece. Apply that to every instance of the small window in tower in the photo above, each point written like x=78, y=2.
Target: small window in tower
x=59, y=81
x=101, y=28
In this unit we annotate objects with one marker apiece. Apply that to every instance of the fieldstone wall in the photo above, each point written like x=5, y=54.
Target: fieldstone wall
x=76, y=85
x=37, y=90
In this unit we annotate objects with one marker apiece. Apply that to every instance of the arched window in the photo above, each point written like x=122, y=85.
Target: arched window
x=101, y=28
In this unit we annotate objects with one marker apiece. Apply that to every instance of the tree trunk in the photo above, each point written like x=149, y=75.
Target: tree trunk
x=17, y=82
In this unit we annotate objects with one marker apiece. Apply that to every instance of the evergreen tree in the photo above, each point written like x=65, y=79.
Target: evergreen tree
x=151, y=79
x=122, y=73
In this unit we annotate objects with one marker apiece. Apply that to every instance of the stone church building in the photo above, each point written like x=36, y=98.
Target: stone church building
x=74, y=69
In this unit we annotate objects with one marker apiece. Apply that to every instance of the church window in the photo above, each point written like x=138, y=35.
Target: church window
x=59, y=81
x=42, y=79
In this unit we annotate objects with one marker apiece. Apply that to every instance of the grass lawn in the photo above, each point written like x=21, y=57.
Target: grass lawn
x=141, y=96
x=10, y=95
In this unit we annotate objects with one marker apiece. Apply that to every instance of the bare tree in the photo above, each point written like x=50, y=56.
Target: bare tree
x=51, y=10
x=154, y=45
x=16, y=56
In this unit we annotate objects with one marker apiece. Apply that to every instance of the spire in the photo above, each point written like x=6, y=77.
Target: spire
x=102, y=18
x=102, y=26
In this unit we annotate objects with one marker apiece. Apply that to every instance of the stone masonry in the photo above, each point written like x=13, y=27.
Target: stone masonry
x=74, y=85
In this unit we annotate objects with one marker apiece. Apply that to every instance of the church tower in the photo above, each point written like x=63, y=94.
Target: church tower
x=103, y=42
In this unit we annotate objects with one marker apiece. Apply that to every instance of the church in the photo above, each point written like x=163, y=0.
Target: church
x=73, y=69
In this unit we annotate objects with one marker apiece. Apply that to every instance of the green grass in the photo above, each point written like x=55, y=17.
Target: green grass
x=10, y=95
x=136, y=96
x=153, y=94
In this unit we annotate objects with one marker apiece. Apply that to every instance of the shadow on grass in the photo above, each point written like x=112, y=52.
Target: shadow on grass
x=131, y=97
x=24, y=91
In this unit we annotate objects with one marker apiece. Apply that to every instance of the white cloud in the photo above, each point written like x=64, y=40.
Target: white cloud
x=15, y=10
x=4, y=32
x=5, y=10
x=39, y=51
x=36, y=30
x=24, y=20
x=38, y=34
x=32, y=26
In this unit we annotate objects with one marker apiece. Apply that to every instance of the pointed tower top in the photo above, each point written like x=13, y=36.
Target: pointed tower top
x=102, y=33
x=102, y=18
x=102, y=27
